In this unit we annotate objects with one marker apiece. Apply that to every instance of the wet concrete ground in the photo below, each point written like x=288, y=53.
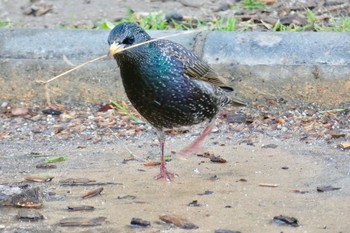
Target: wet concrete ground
x=238, y=202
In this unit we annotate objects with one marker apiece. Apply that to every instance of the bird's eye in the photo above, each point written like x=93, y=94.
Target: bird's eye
x=129, y=40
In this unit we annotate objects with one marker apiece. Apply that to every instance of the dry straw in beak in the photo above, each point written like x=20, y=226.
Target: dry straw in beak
x=114, y=49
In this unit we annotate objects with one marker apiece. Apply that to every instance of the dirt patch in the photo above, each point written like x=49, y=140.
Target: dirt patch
x=236, y=198
x=268, y=171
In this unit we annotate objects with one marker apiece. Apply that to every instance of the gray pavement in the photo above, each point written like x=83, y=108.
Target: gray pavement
x=306, y=67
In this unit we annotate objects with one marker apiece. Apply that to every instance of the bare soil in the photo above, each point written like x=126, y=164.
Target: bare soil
x=237, y=201
x=270, y=171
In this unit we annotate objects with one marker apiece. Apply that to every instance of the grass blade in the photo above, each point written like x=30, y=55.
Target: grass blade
x=126, y=111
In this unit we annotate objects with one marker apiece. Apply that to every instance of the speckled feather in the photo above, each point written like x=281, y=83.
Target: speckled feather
x=167, y=84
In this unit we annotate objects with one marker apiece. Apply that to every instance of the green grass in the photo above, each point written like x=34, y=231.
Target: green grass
x=225, y=25
x=157, y=21
x=5, y=24
x=252, y=4
x=340, y=25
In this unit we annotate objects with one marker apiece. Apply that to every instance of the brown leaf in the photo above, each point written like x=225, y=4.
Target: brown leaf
x=80, y=221
x=217, y=159
x=336, y=134
x=105, y=108
x=299, y=191
x=151, y=164
x=267, y=2
x=178, y=221
x=92, y=193
x=345, y=145
x=268, y=185
x=39, y=178
x=19, y=111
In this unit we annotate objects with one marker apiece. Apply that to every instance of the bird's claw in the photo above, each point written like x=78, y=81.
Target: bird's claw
x=164, y=174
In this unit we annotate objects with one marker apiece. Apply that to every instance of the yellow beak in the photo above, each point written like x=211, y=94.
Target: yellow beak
x=114, y=49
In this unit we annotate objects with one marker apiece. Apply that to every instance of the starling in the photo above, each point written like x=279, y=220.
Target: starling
x=167, y=84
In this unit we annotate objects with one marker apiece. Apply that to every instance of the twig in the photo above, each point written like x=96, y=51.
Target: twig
x=104, y=56
x=75, y=68
x=47, y=90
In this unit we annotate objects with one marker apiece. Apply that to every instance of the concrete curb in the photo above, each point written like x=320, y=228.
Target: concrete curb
x=307, y=67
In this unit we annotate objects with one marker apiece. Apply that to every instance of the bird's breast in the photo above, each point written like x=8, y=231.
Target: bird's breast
x=165, y=96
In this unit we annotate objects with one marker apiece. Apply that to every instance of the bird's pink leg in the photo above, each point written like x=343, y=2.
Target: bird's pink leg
x=196, y=145
x=163, y=171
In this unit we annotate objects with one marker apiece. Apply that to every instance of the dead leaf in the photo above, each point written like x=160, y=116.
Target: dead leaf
x=344, y=145
x=285, y=220
x=46, y=166
x=217, y=159
x=127, y=197
x=105, y=108
x=140, y=222
x=29, y=215
x=300, y=191
x=194, y=203
x=336, y=134
x=267, y=2
x=92, y=193
x=39, y=178
x=178, y=221
x=326, y=188
x=268, y=185
x=272, y=146
x=19, y=111
x=80, y=221
x=81, y=208
x=151, y=164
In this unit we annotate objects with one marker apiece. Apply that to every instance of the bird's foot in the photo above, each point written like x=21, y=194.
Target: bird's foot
x=191, y=149
x=164, y=174
x=196, y=145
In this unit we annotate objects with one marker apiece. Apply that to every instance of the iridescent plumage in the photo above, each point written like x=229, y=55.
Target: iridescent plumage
x=166, y=83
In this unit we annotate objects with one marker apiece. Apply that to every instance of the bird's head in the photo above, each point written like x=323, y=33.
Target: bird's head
x=125, y=35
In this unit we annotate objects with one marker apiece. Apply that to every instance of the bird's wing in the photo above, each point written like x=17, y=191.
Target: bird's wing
x=193, y=66
x=201, y=71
